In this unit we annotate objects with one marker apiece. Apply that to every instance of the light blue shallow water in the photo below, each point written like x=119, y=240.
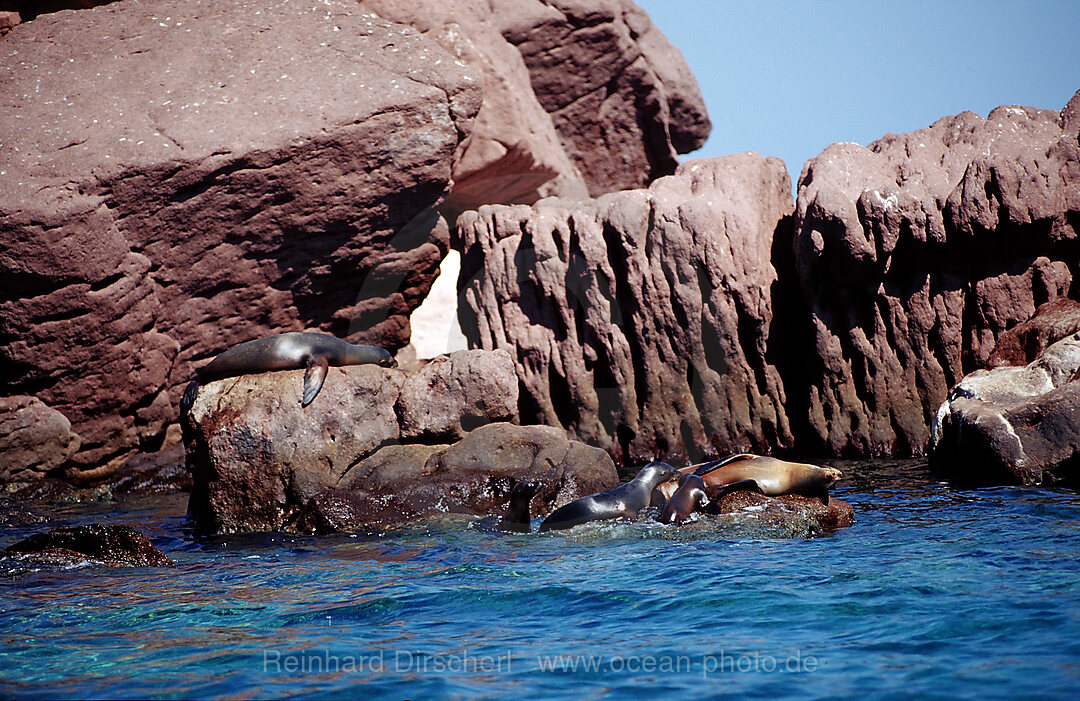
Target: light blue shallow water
x=934, y=592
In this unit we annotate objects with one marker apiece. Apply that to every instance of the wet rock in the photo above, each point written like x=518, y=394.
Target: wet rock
x=455, y=393
x=120, y=546
x=639, y=321
x=620, y=95
x=1026, y=341
x=15, y=513
x=400, y=483
x=1014, y=425
x=915, y=254
x=221, y=191
x=34, y=439
x=790, y=514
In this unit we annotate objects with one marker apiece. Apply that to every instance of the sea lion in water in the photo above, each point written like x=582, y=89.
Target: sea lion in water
x=625, y=501
x=768, y=476
x=688, y=498
x=517, y=512
x=287, y=351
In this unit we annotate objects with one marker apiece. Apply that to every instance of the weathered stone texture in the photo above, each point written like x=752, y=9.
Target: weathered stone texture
x=639, y=321
x=914, y=255
x=178, y=177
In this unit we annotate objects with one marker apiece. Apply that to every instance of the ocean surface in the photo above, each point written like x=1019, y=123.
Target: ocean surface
x=935, y=592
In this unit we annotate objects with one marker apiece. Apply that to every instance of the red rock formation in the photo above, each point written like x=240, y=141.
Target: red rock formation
x=621, y=96
x=1025, y=342
x=179, y=178
x=639, y=321
x=915, y=254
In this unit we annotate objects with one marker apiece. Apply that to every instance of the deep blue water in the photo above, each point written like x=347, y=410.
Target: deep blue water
x=934, y=592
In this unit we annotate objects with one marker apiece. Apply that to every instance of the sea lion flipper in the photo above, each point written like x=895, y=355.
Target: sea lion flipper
x=314, y=377
x=717, y=464
x=190, y=393
x=747, y=485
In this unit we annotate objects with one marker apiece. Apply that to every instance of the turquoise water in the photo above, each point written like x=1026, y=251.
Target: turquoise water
x=934, y=592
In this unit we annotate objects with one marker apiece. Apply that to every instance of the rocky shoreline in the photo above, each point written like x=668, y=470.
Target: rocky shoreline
x=623, y=307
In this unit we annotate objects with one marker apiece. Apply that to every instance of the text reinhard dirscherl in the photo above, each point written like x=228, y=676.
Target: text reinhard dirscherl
x=467, y=662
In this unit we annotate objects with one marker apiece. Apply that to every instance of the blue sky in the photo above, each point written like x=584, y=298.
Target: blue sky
x=787, y=78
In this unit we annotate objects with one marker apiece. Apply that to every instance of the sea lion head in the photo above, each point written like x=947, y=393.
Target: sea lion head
x=656, y=472
x=524, y=489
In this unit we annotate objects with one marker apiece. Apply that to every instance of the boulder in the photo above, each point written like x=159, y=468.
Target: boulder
x=788, y=515
x=455, y=393
x=257, y=456
x=914, y=254
x=121, y=546
x=622, y=98
x=8, y=21
x=639, y=321
x=173, y=183
x=473, y=476
x=512, y=153
x=1014, y=425
x=34, y=439
x=1026, y=341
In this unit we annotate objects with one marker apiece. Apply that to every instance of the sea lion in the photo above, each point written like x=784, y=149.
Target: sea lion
x=287, y=351
x=688, y=498
x=625, y=501
x=517, y=512
x=768, y=476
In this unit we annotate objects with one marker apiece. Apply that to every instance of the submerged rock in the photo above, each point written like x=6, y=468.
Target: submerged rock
x=120, y=546
x=1014, y=425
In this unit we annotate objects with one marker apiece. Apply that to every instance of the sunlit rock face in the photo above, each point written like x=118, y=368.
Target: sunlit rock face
x=178, y=177
x=915, y=254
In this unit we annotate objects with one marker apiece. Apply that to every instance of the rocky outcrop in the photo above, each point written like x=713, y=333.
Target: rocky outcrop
x=788, y=515
x=639, y=321
x=8, y=21
x=1025, y=342
x=34, y=439
x=621, y=96
x=915, y=254
x=120, y=546
x=173, y=183
x=262, y=462
x=1014, y=425
x=575, y=92
x=455, y=393
x=473, y=476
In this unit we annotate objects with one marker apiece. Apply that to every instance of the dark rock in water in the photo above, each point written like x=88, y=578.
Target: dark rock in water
x=34, y=439
x=260, y=463
x=1025, y=342
x=639, y=321
x=1014, y=425
x=13, y=513
x=111, y=545
x=789, y=514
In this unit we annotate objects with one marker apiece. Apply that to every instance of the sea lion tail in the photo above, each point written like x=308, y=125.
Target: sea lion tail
x=188, y=400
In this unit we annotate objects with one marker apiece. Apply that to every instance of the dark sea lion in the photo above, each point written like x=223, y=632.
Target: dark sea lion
x=688, y=498
x=287, y=351
x=768, y=476
x=517, y=518
x=625, y=501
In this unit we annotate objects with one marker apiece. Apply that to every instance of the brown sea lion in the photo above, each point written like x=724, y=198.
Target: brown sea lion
x=766, y=475
x=688, y=498
x=287, y=351
x=517, y=518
